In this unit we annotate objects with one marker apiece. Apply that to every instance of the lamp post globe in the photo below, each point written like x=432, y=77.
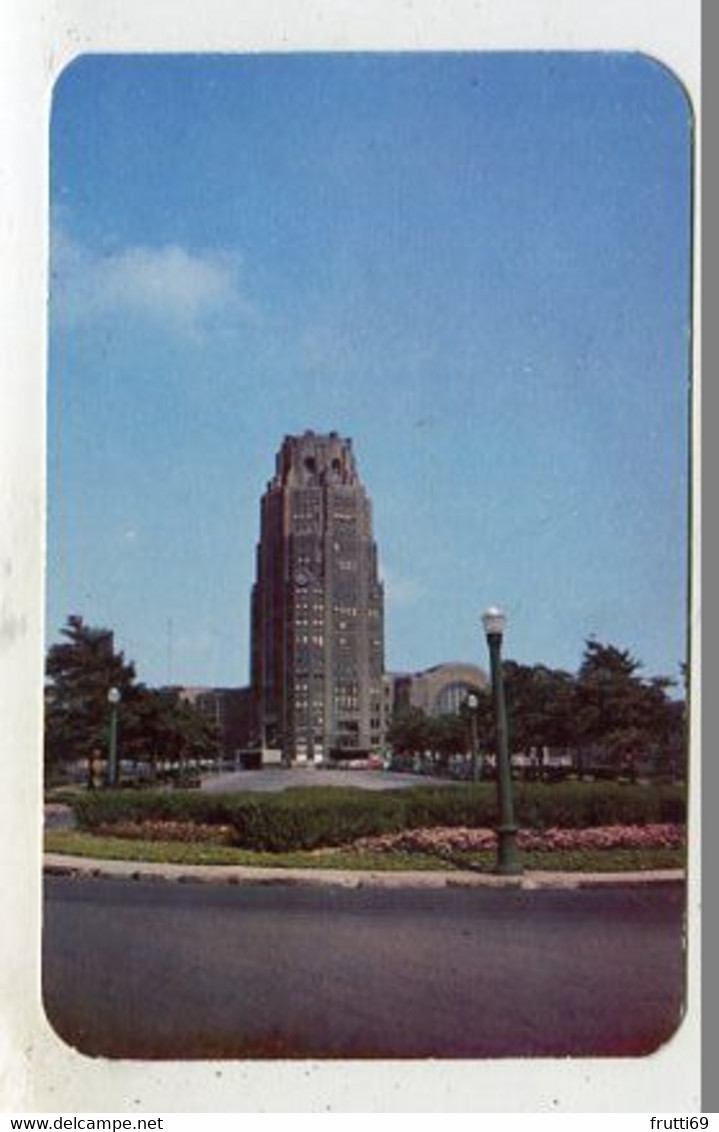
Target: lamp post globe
x=494, y=622
x=113, y=698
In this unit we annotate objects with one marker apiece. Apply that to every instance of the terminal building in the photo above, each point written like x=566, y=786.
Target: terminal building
x=317, y=635
x=440, y=690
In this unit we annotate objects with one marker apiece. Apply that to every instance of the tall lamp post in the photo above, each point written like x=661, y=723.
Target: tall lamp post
x=113, y=698
x=472, y=705
x=508, y=861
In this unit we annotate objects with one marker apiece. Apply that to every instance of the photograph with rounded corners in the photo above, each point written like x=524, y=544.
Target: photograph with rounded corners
x=367, y=671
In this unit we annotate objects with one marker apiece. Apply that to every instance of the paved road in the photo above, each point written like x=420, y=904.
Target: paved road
x=275, y=778
x=158, y=969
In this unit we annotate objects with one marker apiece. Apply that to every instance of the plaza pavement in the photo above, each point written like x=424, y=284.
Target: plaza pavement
x=271, y=779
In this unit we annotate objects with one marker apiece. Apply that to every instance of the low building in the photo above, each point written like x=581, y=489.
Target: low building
x=440, y=690
x=231, y=711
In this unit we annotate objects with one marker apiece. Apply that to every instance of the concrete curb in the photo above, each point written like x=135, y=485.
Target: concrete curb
x=59, y=864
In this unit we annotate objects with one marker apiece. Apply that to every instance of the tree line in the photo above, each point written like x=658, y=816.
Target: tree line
x=157, y=727
x=606, y=716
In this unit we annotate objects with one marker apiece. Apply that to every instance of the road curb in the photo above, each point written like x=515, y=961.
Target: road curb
x=58, y=864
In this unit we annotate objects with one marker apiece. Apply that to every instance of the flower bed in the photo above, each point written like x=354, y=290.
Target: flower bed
x=168, y=831
x=456, y=840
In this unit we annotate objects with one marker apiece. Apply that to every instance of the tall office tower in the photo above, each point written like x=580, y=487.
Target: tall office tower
x=317, y=608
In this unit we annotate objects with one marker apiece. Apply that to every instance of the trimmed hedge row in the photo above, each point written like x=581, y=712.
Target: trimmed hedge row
x=310, y=818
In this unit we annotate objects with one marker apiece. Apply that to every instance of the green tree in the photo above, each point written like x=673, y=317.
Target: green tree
x=540, y=707
x=620, y=716
x=524, y=716
x=666, y=727
x=413, y=732
x=409, y=731
x=155, y=726
x=447, y=735
x=148, y=731
x=80, y=672
x=164, y=729
x=196, y=736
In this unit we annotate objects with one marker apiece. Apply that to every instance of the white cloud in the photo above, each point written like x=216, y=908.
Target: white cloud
x=170, y=285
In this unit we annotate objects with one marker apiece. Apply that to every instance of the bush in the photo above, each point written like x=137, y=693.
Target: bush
x=576, y=805
x=309, y=818
x=427, y=806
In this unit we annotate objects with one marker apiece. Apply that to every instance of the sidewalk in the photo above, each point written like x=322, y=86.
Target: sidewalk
x=58, y=864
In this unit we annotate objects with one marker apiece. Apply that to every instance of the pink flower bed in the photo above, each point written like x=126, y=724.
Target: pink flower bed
x=167, y=831
x=453, y=840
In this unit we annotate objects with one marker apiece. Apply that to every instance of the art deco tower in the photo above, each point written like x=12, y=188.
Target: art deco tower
x=317, y=607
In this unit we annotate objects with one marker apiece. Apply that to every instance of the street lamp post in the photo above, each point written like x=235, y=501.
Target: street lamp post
x=113, y=698
x=508, y=861
x=473, y=704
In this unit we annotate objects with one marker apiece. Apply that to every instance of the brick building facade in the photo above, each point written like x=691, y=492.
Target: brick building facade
x=317, y=649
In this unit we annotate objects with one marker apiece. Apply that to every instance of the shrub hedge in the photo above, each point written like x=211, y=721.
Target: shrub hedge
x=313, y=817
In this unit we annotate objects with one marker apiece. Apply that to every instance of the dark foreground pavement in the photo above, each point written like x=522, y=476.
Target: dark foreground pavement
x=146, y=969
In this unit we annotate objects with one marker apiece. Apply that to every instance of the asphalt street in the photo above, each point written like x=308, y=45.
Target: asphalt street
x=153, y=969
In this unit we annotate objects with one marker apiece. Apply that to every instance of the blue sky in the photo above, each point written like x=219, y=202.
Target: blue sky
x=475, y=265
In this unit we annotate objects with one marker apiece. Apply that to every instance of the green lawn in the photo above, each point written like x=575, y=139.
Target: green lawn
x=80, y=844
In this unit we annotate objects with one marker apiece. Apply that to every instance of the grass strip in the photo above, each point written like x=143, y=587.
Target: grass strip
x=76, y=843
x=581, y=860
